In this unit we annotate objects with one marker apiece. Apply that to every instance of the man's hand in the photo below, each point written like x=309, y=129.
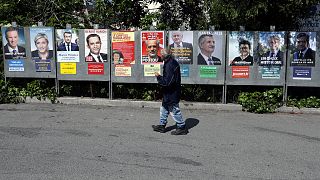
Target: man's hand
x=156, y=74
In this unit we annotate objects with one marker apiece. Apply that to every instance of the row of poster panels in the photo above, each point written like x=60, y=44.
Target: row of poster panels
x=206, y=57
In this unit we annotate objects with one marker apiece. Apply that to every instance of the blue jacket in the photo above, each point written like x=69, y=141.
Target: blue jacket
x=170, y=82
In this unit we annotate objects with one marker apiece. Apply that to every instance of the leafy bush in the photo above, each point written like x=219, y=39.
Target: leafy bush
x=261, y=102
x=36, y=88
x=9, y=94
x=310, y=102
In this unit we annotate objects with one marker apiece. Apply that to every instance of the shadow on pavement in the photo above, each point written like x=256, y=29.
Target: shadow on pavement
x=191, y=122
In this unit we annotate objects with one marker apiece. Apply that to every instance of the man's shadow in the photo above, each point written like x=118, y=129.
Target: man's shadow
x=190, y=123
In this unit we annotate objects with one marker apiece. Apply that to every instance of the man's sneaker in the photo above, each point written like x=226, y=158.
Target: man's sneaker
x=159, y=128
x=180, y=131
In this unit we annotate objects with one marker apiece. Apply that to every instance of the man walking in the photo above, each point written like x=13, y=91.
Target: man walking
x=171, y=86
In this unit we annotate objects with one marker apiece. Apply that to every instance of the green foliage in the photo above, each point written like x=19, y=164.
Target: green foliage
x=51, y=13
x=8, y=93
x=258, y=15
x=261, y=102
x=36, y=88
x=146, y=92
x=310, y=102
x=123, y=14
x=197, y=93
x=39, y=89
x=65, y=90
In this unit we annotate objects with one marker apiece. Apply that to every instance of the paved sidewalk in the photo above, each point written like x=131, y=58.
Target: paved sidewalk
x=44, y=141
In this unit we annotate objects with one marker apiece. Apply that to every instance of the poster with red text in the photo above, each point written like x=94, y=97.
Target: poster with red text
x=123, y=47
x=151, y=44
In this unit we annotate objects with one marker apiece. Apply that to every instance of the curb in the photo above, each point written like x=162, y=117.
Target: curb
x=157, y=104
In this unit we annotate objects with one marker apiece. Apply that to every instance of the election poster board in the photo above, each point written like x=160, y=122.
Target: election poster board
x=256, y=58
x=303, y=65
x=29, y=52
x=88, y=56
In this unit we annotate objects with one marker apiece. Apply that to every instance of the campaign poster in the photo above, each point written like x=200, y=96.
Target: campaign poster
x=151, y=44
x=181, y=46
x=240, y=72
x=16, y=65
x=301, y=73
x=271, y=49
x=208, y=71
x=184, y=70
x=96, y=47
x=41, y=44
x=123, y=70
x=150, y=69
x=270, y=72
x=67, y=47
x=210, y=48
x=95, y=68
x=302, y=48
x=43, y=65
x=68, y=68
x=240, y=48
x=14, y=43
x=122, y=47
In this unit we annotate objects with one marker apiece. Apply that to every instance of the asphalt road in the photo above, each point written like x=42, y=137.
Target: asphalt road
x=86, y=142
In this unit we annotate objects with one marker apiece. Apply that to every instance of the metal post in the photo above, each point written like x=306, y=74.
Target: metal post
x=224, y=93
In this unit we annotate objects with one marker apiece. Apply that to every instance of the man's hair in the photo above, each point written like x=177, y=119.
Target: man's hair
x=201, y=38
x=92, y=35
x=165, y=52
x=39, y=36
x=10, y=29
x=157, y=41
x=245, y=42
x=67, y=32
x=275, y=37
x=178, y=32
x=300, y=35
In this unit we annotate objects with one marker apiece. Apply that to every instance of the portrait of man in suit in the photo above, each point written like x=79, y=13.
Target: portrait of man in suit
x=274, y=56
x=94, y=45
x=12, y=50
x=207, y=45
x=182, y=51
x=152, y=50
x=303, y=49
x=67, y=45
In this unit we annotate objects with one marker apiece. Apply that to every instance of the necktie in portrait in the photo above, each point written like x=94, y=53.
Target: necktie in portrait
x=68, y=47
x=272, y=55
x=300, y=55
x=14, y=53
x=99, y=59
x=210, y=62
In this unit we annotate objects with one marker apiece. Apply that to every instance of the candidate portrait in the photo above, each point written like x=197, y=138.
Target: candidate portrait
x=12, y=48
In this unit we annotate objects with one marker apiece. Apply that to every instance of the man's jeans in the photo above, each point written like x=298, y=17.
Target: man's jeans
x=175, y=113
